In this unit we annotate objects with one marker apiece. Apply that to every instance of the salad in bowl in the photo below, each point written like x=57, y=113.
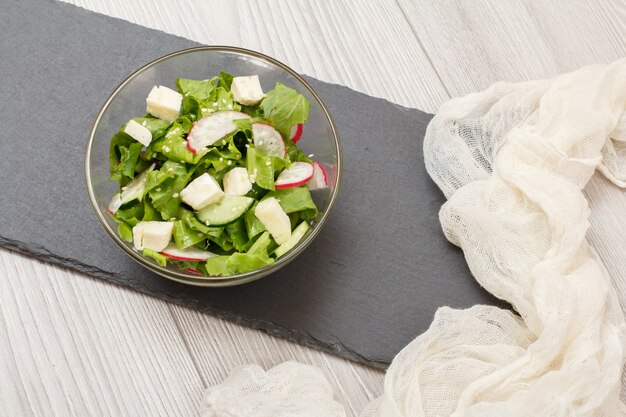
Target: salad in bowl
x=211, y=179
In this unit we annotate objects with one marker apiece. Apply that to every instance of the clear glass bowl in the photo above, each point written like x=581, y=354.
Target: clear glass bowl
x=129, y=100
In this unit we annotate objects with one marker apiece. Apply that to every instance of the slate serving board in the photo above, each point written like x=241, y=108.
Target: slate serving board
x=366, y=287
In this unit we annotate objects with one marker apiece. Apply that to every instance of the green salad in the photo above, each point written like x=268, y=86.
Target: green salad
x=211, y=179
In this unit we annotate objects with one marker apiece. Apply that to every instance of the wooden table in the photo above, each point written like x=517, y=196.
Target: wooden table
x=73, y=346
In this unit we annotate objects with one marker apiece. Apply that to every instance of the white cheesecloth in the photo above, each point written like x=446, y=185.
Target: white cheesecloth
x=512, y=161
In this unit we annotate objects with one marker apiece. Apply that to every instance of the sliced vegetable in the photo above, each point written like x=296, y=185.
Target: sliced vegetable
x=268, y=141
x=134, y=190
x=210, y=129
x=189, y=254
x=297, y=174
x=296, y=236
x=225, y=211
x=319, y=179
x=296, y=132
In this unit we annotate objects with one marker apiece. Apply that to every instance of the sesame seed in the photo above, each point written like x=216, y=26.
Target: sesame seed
x=252, y=180
x=208, y=223
x=229, y=162
x=268, y=163
x=166, y=148
x=124, y=188
x=223, y=101
x=230, y=107
x=158, y=189
x=215, y=104
x=247, y=146
x=154, y=155
x=144, y=123
x=311, y=155
x=221, y=159
x=175, y=195
x=204, y=110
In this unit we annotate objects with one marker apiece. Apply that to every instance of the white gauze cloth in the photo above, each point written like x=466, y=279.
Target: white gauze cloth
x=512, y=161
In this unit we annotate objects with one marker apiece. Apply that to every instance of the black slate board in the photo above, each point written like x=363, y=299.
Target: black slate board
x=367, y=286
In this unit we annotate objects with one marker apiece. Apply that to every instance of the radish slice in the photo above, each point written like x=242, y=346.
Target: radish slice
x=296, y=132
x=211, y=128
x=189, y=254
x=193, y=271
x=268, y=141
x=319, y=179
x=299, y=173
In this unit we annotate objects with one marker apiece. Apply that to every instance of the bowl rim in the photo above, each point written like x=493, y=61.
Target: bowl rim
x=181, y=276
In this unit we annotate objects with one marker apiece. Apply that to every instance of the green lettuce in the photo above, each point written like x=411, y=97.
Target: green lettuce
x=261, y=169
x=198, y=89
x=284, y=107
x=295, y=199
x=160, y=259
x=166, y=196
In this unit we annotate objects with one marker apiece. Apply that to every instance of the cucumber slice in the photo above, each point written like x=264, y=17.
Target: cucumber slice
x=225, y=211
x=296, y=236
x=134, y=190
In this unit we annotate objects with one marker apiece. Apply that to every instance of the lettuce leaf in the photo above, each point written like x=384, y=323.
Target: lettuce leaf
x=160, y=259
x=185, y=236
x=238, y=235
x=198, y=89
x=253, y=224
x=295, y=199
x=284, y=107
x=217, y=266
x=166, y=196
x=123, y=155
x=260, y=169
x=239, y=263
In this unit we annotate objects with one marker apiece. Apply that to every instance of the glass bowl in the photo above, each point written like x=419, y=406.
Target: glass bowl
x=129, y=100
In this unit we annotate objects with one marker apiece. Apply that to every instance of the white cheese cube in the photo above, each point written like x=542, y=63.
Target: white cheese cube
x=152, y=235
x=247, y=90
x=271, y=214
x=138, y=132
x=237, y=181
x=201, y=192
x=164, y=103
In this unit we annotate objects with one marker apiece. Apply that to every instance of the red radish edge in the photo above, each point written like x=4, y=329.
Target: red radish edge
x=292, y=184
x=295, y=136
x=321, y=168
x=193, y=271
x=297, y=183
x=192, y=150
x=174, y=253
x=180, y=258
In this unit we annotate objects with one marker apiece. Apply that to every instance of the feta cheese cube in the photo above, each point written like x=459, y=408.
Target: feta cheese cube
x=164, y=103
x=152, y=235
x=201, y=192
x=138, y=132
x=237, y=182
x=271, y=214
x=247, y=90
